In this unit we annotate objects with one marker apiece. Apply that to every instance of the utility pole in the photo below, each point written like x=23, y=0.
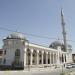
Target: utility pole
x=63, y=31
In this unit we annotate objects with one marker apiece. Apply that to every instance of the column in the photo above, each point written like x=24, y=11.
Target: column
x=56, y=58
x=37, y=57
x=50, y=57
x=25, y=57
x=46, y=57
x=53, y=58
x=31, y=63
x=42, y=57
x=64, y=58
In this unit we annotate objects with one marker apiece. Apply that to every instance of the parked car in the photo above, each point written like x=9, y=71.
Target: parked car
x=73, y=65
x=68, y=66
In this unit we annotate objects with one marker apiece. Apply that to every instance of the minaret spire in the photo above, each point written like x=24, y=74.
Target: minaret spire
x=63, y=30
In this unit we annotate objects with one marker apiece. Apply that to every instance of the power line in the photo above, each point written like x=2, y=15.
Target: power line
x=6, y=29
x=27, y=33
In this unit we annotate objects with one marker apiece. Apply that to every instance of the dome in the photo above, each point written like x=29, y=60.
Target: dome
x=56, y=43
x=16, y=35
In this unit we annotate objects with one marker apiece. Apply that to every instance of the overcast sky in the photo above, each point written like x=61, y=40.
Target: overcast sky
x=38, y=17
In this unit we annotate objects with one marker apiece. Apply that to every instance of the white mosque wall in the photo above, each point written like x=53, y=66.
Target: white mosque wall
x=10, y=45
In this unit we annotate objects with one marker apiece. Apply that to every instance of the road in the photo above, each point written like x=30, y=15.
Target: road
x=55, y=72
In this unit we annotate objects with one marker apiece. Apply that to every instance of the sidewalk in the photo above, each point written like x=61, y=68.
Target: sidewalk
x=41, y=69
x=30, y=72
x=73, y=73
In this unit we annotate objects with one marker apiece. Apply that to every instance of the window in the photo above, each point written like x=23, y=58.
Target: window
x=5, y=52
x=0, y=60
x=17, y=52
x=4, y=61
x=1, y=52
x=17, y=56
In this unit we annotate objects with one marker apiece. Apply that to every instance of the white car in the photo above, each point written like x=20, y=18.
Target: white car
x=73, y=65
x=68, y=66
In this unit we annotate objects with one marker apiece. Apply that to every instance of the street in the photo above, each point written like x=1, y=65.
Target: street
x=55, y=72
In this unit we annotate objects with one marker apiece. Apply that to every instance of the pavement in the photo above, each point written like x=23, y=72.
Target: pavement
x=50, y=69
x=33, y=71
x=73, y=73
x=28, y=71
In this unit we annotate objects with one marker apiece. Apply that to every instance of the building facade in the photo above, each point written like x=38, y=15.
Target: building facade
x=73, y=57
x=18, y=51
x=1, y=56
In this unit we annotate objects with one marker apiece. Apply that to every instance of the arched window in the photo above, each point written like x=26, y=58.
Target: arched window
x=17, y=52
x=17, y=56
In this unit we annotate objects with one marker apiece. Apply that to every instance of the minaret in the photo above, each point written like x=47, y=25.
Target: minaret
x=63, y=30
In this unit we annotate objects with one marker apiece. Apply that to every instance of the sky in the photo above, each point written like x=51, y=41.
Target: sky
x=38, y=17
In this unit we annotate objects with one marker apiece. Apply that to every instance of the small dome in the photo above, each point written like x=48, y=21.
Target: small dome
x=56, y=43
x=16, y=35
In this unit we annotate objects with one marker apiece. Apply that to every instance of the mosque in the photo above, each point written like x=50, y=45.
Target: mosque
x=19, y=52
